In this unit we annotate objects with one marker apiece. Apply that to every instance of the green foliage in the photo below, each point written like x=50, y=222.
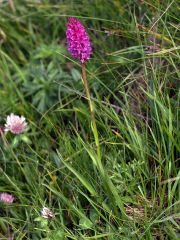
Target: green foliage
x=133, y=192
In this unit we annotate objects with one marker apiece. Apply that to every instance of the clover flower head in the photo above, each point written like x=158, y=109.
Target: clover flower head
x=15, y=124
x=47, y=213
x=78, y=40
x=6, y=197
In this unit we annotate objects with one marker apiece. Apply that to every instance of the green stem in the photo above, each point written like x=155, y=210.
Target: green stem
x=95, y=131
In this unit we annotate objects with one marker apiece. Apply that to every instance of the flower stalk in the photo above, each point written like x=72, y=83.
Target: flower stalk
x=92, y=115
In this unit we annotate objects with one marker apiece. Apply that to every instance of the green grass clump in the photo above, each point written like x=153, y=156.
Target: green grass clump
x=133, y=77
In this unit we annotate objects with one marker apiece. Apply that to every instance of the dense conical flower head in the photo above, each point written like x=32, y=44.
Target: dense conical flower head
x=78, y=40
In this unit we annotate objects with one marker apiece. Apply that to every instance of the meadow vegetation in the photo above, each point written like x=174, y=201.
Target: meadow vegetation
x=131, y=190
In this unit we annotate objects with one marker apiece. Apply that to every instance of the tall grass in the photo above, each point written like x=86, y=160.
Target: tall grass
x=134, y=84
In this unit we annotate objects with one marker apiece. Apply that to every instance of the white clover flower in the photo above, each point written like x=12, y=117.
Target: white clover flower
x=47, y=213
x=15, y=124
